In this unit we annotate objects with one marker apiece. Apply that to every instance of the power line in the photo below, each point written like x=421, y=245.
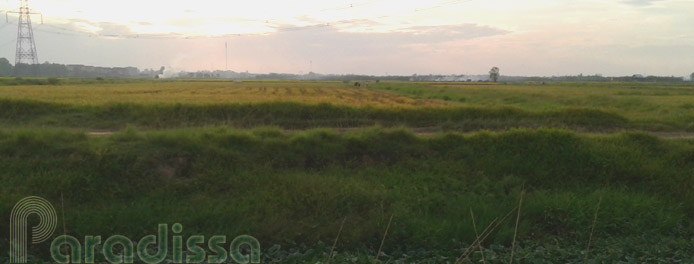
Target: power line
x=26, y=47
x=351, y=6
x=442, y=5
x=63, y=31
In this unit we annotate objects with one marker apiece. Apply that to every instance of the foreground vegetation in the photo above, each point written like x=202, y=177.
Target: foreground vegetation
x=294, y=190
x=288, y=162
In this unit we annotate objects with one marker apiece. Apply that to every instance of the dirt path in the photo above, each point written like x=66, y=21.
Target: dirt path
x=674, y=135
x=100, y=133
x=431, y=131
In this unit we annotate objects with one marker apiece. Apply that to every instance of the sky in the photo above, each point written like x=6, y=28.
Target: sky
x=378, y=37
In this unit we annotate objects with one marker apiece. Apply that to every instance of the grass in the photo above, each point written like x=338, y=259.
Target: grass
x=163, y=104
x=288, y=161
x=645, y=103
x=205, y=92
x=294, y=189
x=290, y=115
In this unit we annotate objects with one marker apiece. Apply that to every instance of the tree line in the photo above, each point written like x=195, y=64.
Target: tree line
x=71, y=71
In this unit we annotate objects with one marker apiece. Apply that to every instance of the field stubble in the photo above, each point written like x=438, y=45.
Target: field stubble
x=209, y=92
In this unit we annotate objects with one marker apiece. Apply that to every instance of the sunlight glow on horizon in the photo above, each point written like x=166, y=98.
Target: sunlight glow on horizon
x=530, y=37
x=209, y=18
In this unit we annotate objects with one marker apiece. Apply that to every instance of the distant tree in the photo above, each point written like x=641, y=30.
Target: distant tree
x=494, y=74
x=6, y=68
x=53, y=81
x=25, y=70
x=691, y=77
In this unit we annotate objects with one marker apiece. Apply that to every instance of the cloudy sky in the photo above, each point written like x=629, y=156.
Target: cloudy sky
x=521, y=37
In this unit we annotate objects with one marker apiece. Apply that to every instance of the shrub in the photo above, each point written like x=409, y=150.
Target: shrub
x=53, y=81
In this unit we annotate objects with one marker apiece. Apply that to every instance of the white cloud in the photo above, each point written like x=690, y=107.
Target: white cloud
x=530, y=37
x=640, y=2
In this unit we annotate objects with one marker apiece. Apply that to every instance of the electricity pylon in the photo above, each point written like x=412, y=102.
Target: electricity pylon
x=26, y=47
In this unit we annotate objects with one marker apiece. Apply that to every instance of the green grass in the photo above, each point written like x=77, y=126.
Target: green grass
x=22, y=114
x=294, y=189
x=644, y=103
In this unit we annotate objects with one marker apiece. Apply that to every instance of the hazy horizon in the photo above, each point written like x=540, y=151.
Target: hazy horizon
x=374, y=37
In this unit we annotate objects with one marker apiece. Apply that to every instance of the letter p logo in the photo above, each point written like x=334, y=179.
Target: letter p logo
x=18, y=225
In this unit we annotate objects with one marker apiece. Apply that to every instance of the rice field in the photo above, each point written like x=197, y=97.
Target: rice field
x=211, y=92
x=645, y=101
x=582, y=107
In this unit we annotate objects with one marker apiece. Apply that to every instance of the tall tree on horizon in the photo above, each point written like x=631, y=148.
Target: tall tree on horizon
x=494, y=74
x=6, y=68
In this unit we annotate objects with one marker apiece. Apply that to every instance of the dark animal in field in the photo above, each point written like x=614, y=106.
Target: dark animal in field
x=357, y=84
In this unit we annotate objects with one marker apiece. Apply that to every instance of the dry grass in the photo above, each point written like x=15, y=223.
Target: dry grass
x=211, y=92
x=515, y=230
x=380, y=248
x=592, y=229
x=332, y=249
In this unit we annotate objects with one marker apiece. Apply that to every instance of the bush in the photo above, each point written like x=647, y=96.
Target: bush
x=53, y=81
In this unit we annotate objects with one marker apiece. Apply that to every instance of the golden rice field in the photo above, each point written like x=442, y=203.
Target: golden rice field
x=646, y=103
x=211, y=92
